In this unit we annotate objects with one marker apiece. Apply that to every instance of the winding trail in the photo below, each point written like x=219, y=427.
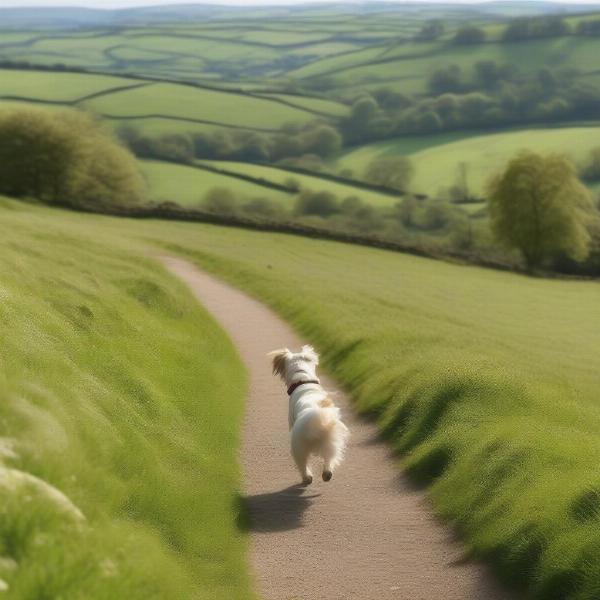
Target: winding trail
x=368, y=534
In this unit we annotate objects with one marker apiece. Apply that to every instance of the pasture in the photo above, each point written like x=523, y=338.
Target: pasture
x=438, y=158
x=121, y=401
x=309, y=182
x=187, y=186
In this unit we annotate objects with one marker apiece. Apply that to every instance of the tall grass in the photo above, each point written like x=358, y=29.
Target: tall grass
x=485, y=382
x=120, y=399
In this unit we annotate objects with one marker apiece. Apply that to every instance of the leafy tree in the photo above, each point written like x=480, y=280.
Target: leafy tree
x=591, y=169
x=469, y=35
x=539, y=206
x=431, y=30
x=447, y=79
x=324, y=140
x=393, y=173
x=65, y=158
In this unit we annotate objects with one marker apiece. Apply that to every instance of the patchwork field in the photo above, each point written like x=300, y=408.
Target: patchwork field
x=187, y=186
x=162, y=106
x=437, y=159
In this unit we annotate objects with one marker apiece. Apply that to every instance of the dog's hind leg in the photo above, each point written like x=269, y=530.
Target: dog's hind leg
x=301, y=455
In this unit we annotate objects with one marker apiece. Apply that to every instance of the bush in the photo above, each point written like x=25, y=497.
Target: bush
x=395, y=173
x=220, y=201
x=66, y=159
x=320, y=204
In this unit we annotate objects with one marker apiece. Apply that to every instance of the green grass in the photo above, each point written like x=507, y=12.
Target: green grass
x=437, y=158
x=187, y=186
x=316, y=184
x=61, y=87
x=171, y=100
x=121, y=392
x=485, y=382
x=327, y=107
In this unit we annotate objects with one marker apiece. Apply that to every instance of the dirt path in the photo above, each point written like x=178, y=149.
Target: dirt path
x=366, y=535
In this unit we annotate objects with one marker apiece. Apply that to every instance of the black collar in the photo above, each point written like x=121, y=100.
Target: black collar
x=296, y=385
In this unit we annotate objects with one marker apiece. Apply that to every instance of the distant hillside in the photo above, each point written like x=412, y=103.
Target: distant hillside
x=16, y=17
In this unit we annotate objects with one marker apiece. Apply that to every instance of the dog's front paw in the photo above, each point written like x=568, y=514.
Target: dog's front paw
x=327, y=475
x=307, y=480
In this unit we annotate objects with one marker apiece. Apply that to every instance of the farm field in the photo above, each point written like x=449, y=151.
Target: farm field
x=436, y=166
x=161, y=106
x=187, y=186
x=105, y=358
x=309, y=182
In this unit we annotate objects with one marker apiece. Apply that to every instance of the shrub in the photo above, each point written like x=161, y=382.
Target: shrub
x=65, y=158
x=393, y=173
x=220, y=201
x=320, y=204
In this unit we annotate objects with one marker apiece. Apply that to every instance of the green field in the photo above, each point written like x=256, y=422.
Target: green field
x=187, y=186
x=437, y=164
x=309, y=182
x=163, y=106
x=121, y=401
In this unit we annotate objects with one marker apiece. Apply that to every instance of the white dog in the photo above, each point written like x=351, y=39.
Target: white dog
x=313, y=419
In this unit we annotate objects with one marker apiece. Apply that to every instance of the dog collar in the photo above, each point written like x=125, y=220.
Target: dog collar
x=296, y=385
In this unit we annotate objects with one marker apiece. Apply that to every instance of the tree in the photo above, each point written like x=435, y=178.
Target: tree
x=393, y=173
x=323, y=140
x=65, y=158
x=539, y=206
x=469, y=35
x=446, y=79
x=591, y=169
x=431, y=30
x=321, y=204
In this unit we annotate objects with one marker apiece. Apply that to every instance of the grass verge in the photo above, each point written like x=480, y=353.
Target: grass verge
x=121, y=406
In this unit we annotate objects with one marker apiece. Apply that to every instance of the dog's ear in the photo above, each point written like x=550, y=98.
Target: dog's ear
x=308, y=352
x=279, y=357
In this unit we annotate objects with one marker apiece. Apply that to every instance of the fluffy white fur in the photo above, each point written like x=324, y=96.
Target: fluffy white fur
x=314, y=421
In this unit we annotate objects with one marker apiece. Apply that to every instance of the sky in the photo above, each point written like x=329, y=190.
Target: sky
x=130, y=3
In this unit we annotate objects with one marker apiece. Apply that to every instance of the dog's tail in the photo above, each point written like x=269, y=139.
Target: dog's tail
x=331, y=435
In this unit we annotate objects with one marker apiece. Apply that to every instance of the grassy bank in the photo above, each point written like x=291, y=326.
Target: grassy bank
x=486, y=382
x=121, y=401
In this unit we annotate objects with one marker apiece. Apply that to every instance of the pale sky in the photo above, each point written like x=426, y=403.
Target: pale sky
x=131, y=3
